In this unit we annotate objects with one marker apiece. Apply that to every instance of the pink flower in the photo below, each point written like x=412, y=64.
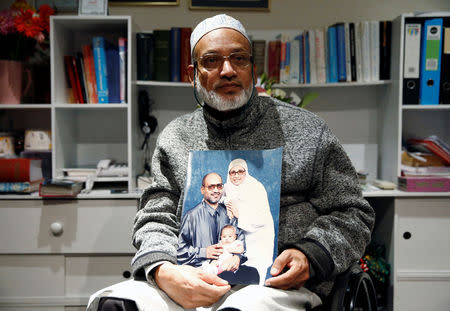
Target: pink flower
x=6, y=22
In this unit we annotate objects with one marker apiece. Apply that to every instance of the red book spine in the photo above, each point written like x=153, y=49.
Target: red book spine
x=274, y=60
x=15, y=170
x=185, y=46
x=88, y=57
x=71, y=74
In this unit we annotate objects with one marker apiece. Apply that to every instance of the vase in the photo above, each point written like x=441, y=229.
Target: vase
x=11, y=74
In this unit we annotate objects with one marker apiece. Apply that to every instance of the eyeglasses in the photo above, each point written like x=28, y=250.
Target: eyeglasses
x=212, y=187
x=213, y=61
x=239, y=172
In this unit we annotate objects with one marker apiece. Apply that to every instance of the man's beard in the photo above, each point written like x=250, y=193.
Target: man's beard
x=216, y=101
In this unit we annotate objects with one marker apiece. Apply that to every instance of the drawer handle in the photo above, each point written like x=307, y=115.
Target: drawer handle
x=56, y=228
x=407, y=235
x=126, y=274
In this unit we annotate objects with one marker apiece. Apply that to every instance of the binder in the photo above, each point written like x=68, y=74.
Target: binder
x=411, y=62
x=444, y=92
x=430, y=67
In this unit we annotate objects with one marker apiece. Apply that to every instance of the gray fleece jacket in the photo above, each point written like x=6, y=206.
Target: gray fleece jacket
x=322, y=211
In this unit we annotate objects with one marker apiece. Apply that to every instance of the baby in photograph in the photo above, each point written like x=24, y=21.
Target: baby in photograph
x=230, y=244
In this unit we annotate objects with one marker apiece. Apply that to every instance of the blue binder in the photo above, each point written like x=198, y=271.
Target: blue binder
x=430, y=67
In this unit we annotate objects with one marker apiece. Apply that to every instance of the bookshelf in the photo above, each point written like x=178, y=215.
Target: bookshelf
x=84, y=134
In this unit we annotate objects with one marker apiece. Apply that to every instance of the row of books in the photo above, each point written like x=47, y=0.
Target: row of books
x=97, y=73
x=342, y=52
x=164, y=54
x=425, y=165
x=426, y=75
x=25, y=175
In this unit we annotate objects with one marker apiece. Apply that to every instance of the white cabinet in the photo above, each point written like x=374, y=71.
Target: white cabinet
x=84, y=134
x=421, y=271
x=46, y=269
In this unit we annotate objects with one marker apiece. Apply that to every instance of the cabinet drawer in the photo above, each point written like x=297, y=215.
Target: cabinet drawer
x=86, y=275
x=86, y=226
x=422, y=295
x=31, y=276
x=423, y=234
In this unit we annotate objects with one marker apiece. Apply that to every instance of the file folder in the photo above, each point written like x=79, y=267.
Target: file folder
x=444, y=92
x=430, y=68
x=411, y=64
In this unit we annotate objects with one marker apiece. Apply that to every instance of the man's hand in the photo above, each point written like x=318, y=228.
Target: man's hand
x=214, y=251
x=296, y=275
x=188, y=286
x=231, y=264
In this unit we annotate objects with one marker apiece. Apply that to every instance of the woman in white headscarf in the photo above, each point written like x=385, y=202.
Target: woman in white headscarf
x=246, y=199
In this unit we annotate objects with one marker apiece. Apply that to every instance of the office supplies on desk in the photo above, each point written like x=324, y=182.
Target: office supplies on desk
x=430, y=66
x=411, y=64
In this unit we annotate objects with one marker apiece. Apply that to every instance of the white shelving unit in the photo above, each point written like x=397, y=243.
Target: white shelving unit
x=84, y=134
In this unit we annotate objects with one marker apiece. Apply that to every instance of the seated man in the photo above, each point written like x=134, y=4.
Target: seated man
x=324, y=223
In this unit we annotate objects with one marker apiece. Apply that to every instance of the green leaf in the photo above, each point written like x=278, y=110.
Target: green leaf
x=308, y=98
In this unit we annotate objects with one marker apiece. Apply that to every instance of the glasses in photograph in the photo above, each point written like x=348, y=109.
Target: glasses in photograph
x=214, y=186
x=213, y=61
x=239, y=172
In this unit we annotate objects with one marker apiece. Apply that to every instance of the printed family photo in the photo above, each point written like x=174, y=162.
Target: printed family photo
x=229, y=225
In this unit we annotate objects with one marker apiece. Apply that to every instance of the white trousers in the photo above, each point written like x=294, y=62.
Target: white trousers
x=149, y=297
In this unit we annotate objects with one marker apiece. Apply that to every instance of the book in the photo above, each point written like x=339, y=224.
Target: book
x=113, y=72
x=101, y=72
x=20, y=170
x=20, y=187
x=385, y=49
x=351, y=30
x=444, y=91
x=294, y=75
x=358, y=52
x=77, y=76
x=59, y=188
x=366, y=59
x=259, y=55
x=306, y=64
x=70, y=79
x=122, y=43
x=175, y=54
x=145, y=56
x=82, y=76
x=411, y=62
x=162, y=54
x=236, y=184
x=374, y=33
x=321, y=75
x=425, y=170
x=273, y=62
x=332, y=68
x=312, y=56
x=434, y=145
x=185, y=54
x=348, y=64
x=424, y=184
x=89, y=67
x=340, y=52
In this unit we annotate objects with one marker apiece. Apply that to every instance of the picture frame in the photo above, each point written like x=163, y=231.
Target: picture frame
x=93, y=7
x=59, y=5
x=143, y=2
x=258, y=5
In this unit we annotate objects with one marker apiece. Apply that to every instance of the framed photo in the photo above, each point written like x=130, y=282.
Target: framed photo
x=59, y=5
x=93, y=7
x=260, y=5
x=144, y=2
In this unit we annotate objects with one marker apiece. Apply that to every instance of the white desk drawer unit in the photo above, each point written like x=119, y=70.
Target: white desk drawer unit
x=55, y=253
x=422, y=252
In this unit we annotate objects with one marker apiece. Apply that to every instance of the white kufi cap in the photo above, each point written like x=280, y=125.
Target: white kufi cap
x=216, y=22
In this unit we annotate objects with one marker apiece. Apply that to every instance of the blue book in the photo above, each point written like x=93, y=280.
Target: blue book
x=340, y=44
x=430, y=63
x=101, y=73
x=113, y=70
x=175, y=54
x=306, y=57
x=332, y=76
